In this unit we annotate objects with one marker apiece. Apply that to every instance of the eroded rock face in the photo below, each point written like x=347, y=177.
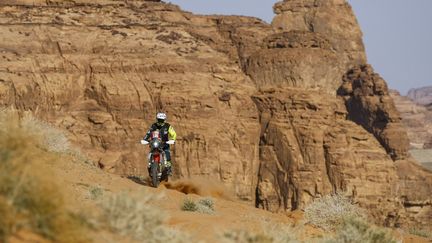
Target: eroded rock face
x=314, y=44
x=369, y=104
x=308, y=149
x=102, y=71
x=296, y=59
x=254, y=105
x=414, y=183
x=422, y=96
x=333, y=19
x=417, y=120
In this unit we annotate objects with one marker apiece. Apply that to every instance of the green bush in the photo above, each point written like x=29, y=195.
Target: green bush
x=189, y=205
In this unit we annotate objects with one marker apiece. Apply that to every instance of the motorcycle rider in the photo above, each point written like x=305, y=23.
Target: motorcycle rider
x=166, y=132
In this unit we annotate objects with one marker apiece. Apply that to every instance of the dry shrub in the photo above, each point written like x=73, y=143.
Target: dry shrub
x=204, y=205
x=330, y=211
x=46, y=136
x=189, y=205
x=29, y=197
x=356, y=230
x=275, y=233
x=421, y=232
x=95, y=192
x=7, y=221
x=138, y=219
x=50, y=138
x=243, y=236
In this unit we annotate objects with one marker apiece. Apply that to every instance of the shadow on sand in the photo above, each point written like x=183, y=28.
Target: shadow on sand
x=140, y=180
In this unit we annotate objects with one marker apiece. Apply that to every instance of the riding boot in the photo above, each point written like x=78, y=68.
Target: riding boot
x=168, y=167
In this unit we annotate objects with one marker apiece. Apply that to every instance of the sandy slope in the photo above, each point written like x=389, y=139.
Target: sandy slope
x=77, y=178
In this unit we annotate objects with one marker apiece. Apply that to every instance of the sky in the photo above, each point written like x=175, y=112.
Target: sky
x=397, y=33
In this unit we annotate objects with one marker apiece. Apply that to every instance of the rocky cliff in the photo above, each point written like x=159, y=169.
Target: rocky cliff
x=282, y=113
x=422, y=96
x=417, y=120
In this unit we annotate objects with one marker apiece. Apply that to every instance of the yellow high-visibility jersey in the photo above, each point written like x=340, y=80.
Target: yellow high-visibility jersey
x=172, y=135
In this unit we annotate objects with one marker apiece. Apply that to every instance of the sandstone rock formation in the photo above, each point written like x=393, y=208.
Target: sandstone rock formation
x=315, y=43
x=422, y=96
x=309, y=148
x=369, y=104
x=417, y=120
x=334, y=19
x=102, y=70
x=255, y=105
x=414, y=183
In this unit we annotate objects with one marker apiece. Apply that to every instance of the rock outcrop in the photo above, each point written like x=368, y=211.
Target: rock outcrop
x=369, y=104
x=417, y=120
x=308, y=149
x=333, y=19
x=103, y=70
x=422, y=96
x=256, y=106
x=414, y=183
x=314, y=44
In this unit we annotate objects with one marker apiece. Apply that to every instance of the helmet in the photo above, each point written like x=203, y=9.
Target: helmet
x=161, y=117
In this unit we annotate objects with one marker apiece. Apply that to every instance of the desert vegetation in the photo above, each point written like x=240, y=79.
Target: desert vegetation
x=329, y=212
x=357, y=230
x=204, y=205
x=30, y=200
x=138, y=219
x=421, y=232
x=340, y=220
x=95, y=192
x=32, y=203
x=339, y=214
x=277, y=233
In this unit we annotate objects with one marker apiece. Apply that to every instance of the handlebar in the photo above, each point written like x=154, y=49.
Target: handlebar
x=171, y=142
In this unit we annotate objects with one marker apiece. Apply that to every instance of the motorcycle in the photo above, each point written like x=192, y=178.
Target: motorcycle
x=157, y=163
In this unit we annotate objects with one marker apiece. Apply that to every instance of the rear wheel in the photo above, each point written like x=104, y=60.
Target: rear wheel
x=154, y=175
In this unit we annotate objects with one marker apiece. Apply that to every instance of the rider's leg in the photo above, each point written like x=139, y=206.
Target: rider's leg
x=168, y=160
x=149, y=162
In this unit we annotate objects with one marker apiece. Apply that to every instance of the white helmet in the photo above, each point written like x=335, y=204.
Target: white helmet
x=161, y=116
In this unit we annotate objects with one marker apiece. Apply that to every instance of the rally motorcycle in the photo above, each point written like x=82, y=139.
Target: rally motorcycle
x=157, y=167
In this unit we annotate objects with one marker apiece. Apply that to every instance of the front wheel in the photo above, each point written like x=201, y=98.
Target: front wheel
x=154, y=175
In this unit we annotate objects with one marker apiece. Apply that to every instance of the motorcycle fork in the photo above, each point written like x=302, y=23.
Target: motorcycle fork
x=162, y=161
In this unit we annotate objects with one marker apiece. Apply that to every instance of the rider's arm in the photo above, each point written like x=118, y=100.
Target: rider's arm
x=172, y=135
x=147, y=136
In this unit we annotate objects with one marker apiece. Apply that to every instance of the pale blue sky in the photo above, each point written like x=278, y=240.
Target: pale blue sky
x=397, y=33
